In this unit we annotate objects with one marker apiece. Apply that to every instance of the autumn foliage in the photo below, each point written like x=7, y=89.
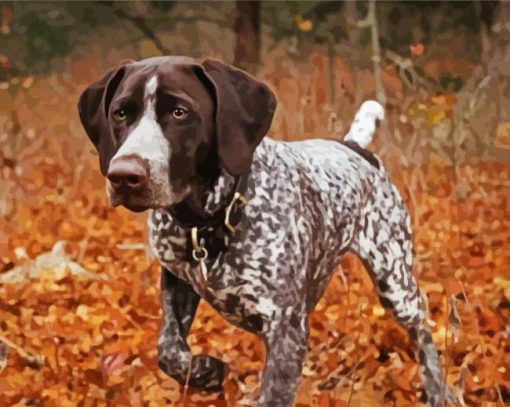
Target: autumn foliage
x=79, y=306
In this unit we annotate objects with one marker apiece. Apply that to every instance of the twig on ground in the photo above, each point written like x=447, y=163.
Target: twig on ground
x=355, y=367
x=353, y=370
x=444, y=384
x=4, y=354
x=35, y=360
x=186, y=385
x=84, y=243
x=480, y=337
x=125, y=313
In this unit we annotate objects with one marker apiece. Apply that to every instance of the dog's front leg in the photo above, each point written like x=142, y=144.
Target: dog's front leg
x=286, y=346
x=179, y=303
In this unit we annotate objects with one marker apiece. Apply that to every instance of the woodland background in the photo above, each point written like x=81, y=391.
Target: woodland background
x=79, y=306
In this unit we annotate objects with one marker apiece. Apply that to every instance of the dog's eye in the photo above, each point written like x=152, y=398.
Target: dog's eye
x=120, y=115
x=179, y=113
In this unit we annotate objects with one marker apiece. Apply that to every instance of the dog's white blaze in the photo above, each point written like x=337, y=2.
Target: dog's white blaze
x=151, y=86
x=148, y=142
x=146, y=139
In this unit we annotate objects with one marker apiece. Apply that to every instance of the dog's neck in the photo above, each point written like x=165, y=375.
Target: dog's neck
x=214, y=198
x=221, y=190
x=205, y=200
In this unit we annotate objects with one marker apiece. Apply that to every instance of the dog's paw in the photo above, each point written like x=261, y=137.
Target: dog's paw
x=207, y=373
x=451, y=397
x=441, y=399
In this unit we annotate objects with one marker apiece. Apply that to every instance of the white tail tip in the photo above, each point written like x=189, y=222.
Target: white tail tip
x=365, y=123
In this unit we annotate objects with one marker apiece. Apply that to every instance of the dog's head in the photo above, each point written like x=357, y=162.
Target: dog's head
x=164, y=125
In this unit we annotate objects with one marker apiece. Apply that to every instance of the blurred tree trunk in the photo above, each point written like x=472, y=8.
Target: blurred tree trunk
x=376, y=53
x=370, y=21
x=247, y=29
x=351, y=14
x=331, y=73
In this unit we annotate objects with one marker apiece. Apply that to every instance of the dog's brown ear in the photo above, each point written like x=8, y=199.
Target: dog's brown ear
x=93, y=110
x=244, y=111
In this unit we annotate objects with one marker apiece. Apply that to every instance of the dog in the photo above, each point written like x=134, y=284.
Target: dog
x=252, y=225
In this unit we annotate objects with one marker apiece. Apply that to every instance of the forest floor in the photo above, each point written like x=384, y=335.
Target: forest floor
x=80, y=315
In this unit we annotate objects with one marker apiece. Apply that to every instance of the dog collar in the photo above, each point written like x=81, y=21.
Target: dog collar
x=208, y=237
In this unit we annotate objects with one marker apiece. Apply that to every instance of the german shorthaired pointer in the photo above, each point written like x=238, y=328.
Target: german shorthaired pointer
x=252, y=225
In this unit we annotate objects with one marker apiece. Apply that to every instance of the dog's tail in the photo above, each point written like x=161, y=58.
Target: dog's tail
x=367, y=120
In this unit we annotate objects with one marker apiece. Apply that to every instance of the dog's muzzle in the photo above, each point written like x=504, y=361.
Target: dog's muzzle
x=129, y=179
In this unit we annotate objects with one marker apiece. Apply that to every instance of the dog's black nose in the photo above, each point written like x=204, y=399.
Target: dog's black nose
x=130, y=172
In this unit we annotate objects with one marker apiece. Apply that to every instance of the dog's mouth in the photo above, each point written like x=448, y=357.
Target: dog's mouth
x=141, y=200
x=135, y=201
x=134, y=207
x=134, y=204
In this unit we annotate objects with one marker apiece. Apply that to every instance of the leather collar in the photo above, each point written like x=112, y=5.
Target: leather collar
x=207, y=237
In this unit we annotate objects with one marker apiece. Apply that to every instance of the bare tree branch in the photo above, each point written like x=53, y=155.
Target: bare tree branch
x=370, y=21
x=376, y=53
x=141, y=24
x=248, y=41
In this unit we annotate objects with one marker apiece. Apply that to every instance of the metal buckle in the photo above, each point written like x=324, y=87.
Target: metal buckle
x=199, y=251
x=238, y=198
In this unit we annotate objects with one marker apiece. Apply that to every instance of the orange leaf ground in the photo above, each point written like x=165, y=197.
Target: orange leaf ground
x=79, y=306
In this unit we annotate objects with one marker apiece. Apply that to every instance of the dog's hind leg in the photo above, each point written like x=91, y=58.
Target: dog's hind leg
x=286, y=344
x=384, y=244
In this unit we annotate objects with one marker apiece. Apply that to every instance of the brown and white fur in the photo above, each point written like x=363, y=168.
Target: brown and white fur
x=176, y=132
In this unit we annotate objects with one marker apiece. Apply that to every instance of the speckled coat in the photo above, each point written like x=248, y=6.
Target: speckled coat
x=175, y=132
x=309, y=202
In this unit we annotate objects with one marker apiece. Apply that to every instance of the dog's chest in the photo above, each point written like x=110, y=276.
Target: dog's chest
x=301, y=215
x=168, y=241
x=234, y=291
